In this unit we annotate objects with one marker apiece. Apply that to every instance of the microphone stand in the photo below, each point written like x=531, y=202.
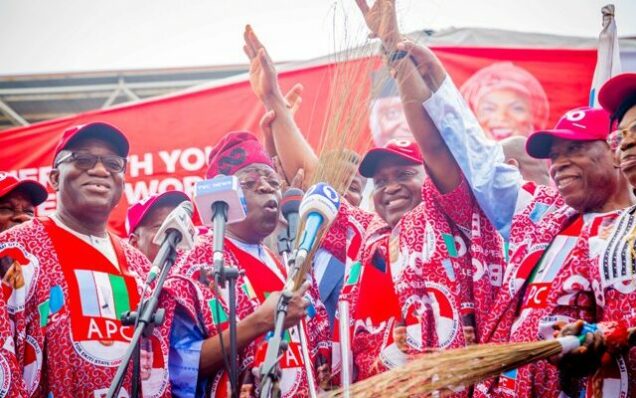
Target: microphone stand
x=270, y=371
x=223, y=275
x=148, y=316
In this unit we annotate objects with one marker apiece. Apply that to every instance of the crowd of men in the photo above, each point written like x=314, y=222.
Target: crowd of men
x=471, y=241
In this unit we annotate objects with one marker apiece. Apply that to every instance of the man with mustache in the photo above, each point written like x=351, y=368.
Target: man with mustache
x=258, y=288
x=616, y=375
x=395, y=309
x=551, y=232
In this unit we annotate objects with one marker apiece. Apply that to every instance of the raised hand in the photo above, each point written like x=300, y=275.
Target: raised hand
x=381, y=19
x=426, y=62
x=262, y=71
x=293, y=98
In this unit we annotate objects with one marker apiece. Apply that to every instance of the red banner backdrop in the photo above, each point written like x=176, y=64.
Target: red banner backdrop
x=171, y=137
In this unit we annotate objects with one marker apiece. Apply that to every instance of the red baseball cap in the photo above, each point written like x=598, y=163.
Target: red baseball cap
x=402, y=149
x=137, y=212
x=100, y=130
x=616, y=90
x=36, y=191
x=581, y=124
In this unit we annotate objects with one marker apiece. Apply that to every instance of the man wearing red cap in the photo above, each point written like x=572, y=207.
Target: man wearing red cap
x=262, y=278
x=553, y=234
x=18, y=199
x=615, y=260
x=144, y=218
x=397, y=308
x=79, y=279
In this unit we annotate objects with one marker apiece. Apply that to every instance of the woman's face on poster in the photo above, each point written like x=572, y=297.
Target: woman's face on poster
x=504, y=113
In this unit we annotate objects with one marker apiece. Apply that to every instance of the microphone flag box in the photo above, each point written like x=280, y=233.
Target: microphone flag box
x=221, y=188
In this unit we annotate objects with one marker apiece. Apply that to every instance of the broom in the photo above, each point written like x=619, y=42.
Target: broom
x=446, y=372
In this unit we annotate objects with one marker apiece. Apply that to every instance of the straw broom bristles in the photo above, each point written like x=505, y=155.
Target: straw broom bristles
x=446, y=372
x=345, y=123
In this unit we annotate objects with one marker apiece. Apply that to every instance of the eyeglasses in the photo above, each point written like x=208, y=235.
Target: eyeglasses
x=630, y=129
x=251, y=180
x=87, y=161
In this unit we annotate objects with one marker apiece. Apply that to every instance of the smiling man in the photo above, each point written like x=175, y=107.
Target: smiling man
x=18, y=200
x=397, y=309
x=554, y=234
x=79, y=279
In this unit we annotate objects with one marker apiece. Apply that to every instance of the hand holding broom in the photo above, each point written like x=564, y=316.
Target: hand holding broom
x=453, y=370
x=597, y=347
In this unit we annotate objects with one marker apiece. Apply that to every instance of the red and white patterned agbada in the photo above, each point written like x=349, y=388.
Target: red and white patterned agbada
x=540, y=290
x=68, y=335
x=253, y=285
x=11, y=383
x=443, y=265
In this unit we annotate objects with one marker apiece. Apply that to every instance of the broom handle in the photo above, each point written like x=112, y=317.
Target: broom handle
x=345, y=347
x=571, y=343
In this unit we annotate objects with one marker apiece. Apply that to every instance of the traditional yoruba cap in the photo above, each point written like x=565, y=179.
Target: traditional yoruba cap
x=36, y=191
x=616, y=90
x=401, y=149
x=137, y=212
x=235, y=151
x=99, y=130
x=581, y=124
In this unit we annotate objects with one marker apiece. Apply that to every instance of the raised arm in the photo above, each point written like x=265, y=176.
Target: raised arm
x=440, y=164
x=448, y=133
x=291, y=146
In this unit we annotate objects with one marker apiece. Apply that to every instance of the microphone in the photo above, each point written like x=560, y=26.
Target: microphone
x=223, y=193
x=289, y=206
x=318, y=209
x=177, y=228
x=220, y=201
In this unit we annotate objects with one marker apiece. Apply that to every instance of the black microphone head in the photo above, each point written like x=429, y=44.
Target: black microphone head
x=291, y=201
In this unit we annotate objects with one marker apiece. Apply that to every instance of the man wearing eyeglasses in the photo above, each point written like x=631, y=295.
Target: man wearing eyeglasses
x=66, y=320
x=262, y=275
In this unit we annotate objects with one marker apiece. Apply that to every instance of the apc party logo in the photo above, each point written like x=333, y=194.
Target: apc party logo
x=5, y=376
x=19, y=269
x=445, y=311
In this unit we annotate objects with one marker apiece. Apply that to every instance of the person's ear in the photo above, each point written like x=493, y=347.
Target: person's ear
x=133, y=240
x=54, y=179
x=513, y=162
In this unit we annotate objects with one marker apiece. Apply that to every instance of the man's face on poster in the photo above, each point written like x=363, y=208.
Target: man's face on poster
x=387, y=121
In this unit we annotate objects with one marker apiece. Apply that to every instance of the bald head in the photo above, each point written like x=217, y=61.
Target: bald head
x=531, y=169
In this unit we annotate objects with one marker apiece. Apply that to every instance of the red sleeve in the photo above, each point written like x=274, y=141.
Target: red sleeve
x=457, y=205
x=11, y=383
x=349, y=225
